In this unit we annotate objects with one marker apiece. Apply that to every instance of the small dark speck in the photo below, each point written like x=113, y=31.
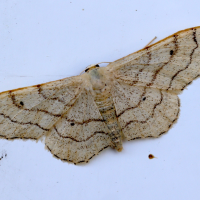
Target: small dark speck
x=72, y=124
x=21, y=103
x=151, y=156
x=144, y=98
x=4, y=155
x=135, y=10
x=171, y=52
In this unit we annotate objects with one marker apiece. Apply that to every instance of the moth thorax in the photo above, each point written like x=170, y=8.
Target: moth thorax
x=97, y=80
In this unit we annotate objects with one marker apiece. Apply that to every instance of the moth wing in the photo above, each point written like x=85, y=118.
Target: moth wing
x=170, y=64
x=63, y=111
x=146, y=83
x=30, y=112
x=144, y=111
x=81, y=132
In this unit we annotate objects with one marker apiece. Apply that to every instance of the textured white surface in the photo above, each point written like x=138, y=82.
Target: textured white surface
x=45, y=41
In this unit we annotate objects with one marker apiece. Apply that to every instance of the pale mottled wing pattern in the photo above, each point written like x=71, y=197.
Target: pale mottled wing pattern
x=31, y=112
x=62, y=111
x=170, y=64
x=143, y=111
x=81, y=133
x=148, y=81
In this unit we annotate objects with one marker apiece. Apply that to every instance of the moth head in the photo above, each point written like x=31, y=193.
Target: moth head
x=93, y=66
x=90, y=67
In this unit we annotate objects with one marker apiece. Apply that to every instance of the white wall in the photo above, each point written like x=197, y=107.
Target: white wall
x=46, y=40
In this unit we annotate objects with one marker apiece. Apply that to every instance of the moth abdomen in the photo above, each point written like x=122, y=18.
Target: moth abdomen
x=107, y=110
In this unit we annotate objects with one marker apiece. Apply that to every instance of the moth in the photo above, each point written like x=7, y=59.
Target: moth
x=131, y=98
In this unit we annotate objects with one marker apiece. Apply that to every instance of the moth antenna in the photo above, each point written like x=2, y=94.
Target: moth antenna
x=150, y=42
